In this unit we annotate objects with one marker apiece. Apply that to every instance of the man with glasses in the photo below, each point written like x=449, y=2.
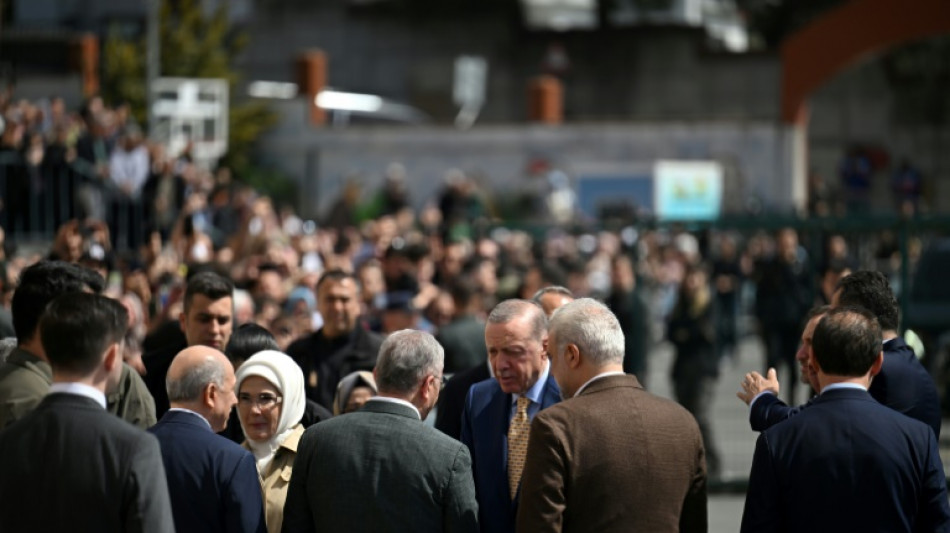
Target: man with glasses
x=213, y=482
x=380, y=468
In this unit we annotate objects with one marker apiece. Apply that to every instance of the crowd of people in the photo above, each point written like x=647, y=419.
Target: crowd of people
x=315, y=349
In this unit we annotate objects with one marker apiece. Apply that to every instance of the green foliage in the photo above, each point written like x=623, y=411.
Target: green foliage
x=193, y=45
x=270, y=182
x=123, y=76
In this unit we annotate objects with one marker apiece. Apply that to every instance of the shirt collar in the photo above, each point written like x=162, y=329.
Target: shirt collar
x=834, y=386
x=396, y=400
x=595, y=378
x=534, y=393
x=79, y=389
x=183, y=410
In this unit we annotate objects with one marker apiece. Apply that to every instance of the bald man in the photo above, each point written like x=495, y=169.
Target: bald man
x=213, y=482
x=552, y=297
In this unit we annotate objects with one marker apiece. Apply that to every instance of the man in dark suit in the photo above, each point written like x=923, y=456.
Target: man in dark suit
x=903, y=384
x=380, y=469
x=847, y=463
x=213, y=482
x=206, y=320
x=611, y=457
x=497, y=412
x=783, y=295
x=26, y=375
x=342, y=345
x=452, y=400
x=69, y=465
x=448, y=416
x=464, y=337
x=761, y=393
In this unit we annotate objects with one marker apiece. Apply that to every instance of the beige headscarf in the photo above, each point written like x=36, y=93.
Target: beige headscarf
x=360, y=378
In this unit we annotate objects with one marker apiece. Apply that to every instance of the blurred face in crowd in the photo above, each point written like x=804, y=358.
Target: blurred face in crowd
x=271, y=285
x=517, y=359
x=371, y=277
x=787, y=244
x=804, y=355
x=357, y=399
x=207, y=321
x=259, y=406
x=339, y=304
x=285, y=330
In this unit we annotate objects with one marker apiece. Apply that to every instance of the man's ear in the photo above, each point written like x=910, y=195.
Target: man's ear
x=113, y=357
x=208, y=395
x=572, y=356
x=878, y=363
x=181, y=321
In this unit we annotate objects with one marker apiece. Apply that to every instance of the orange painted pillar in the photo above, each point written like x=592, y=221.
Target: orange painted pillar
x=311, y=79
x=87, y=63
x=546, y=100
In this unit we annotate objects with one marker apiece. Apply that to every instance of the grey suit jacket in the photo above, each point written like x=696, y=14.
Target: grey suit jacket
x=614, y=459
x=71, y=466
x=380, y=470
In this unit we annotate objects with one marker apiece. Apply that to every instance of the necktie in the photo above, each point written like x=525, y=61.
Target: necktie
x=518, y=444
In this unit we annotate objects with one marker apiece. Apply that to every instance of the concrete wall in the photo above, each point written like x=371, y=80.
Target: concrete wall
x=756, y=156
x=858, y=107
x=624, y=74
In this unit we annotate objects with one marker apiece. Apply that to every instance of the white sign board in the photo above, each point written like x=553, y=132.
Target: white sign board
x=687, y=190
x=471, y=74
x=192, y=110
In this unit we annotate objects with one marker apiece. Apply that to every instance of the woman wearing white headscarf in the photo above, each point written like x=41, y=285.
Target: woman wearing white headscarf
x=271, y=402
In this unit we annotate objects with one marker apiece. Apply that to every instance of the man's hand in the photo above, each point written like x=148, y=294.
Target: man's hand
x=754, y=383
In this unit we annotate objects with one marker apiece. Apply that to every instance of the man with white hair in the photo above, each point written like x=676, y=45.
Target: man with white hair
x=381, y=468
x=611, y=456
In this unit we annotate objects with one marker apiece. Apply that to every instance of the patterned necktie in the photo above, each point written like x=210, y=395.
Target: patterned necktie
x=518, y=444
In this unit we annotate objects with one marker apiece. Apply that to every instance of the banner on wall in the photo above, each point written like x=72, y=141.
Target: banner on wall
x=687, y=190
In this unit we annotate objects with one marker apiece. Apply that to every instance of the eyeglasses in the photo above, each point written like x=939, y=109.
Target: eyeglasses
x=263, y=401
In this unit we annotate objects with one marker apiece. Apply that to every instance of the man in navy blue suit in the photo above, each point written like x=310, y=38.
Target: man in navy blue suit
x=761, y=394
x=516, y=337
x=847, y=463
x=903, y=384
x=213, y=482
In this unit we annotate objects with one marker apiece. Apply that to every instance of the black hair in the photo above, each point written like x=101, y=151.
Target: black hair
x=337, y=275
x=39, y=284
x=78, y=327
x=247, y=340
x=871, y=290
x=463, y=291
x=210, y=284
x=847, y=341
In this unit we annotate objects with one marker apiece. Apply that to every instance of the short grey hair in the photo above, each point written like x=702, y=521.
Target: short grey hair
x=592, y=327
x=406, y=357
x=509, y=310
x=555, y=289
x=189, y=386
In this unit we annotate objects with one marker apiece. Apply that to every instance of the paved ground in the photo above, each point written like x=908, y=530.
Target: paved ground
x=731, y=432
